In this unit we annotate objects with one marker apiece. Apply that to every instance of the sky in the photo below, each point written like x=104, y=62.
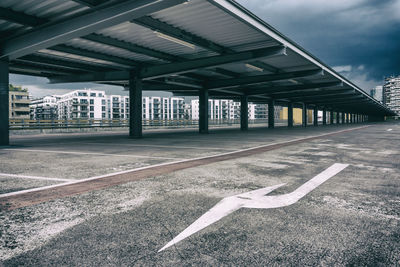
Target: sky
x=358, y=38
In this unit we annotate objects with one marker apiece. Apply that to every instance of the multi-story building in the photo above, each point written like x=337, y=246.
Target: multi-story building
x=44, y=108
x=18, y=103
x=377, y=93
x=82, y=104
x=222, y=109
x=117, y=107
x=163, y=108
x=391, y=94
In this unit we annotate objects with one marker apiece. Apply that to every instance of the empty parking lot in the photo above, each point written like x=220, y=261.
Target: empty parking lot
x=169, y=179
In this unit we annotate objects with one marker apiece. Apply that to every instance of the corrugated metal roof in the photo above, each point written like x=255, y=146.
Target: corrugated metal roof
x=142, y=36
x=204, y=19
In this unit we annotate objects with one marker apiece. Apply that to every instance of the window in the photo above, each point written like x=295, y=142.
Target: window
x=103, y=101
x=103, y=115
x=84, y=108
x=93, y=94
x=91, y=115
x=91, y=101
x=83, y=101
x=91, y=108
x=103, y=108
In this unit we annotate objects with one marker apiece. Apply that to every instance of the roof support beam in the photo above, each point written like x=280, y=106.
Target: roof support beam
x=162, y=70
x=248, y=80
x=289, y=89
x=313, y=93
x=320, y=96
x=130, y=47
x=152, y=72
x=95, y=55
x=57, y=33
x=354, y=99
x=165, y=28
x=60, y=62
x=20, y=18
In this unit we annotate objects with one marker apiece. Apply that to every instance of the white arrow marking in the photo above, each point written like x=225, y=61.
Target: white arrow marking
x=256, y=199
x=389, y=130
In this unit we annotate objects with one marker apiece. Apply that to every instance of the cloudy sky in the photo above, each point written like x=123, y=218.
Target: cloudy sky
x=359, y=38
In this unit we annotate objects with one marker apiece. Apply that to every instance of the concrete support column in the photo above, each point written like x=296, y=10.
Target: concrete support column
x=315, y=115
x=331, y=116
x=304, y=118
x=135, y=106
x=347, y=118
x=337, y=117
x=290, y=114
x=343, y=118
x=4, y=104
x=324, y=116
x=244, y=113
x=271, y=113
x=351, y=118
x=203, y=111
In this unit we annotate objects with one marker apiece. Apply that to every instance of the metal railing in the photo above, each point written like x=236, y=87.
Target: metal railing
x=22, y=124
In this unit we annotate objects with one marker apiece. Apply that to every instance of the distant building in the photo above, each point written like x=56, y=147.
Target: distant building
x=163, y=108
x=18, y=103
x=117, y=107
x=44, y=108
x=391, y=93
x=222, y=109
x=82, y=104
x=377, y=93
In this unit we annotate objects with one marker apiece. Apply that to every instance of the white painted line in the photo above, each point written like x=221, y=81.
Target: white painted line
x=35, y=177
x=255, y=199
x=389, y=130
x=164, y=146
x=169, y=163
x=86, y=153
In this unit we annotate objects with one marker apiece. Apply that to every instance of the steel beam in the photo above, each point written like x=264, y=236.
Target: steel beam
x=20, y=18
x=248, y=80
x=244, y=113
x=271, y=114
x=4, y=103
x=135, y=106
x=156, y=71
x=203, y=111
x=130, y=47
x=159, y=26
x=310, y=97
x=282, y=91
x=290, y=114
x=95, y=55
x=85, y=24
x=324, y=116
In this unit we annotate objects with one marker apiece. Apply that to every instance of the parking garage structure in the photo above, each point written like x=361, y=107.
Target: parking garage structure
x=204, y=48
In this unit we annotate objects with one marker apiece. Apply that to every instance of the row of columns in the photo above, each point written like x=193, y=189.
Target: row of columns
x=135, y=102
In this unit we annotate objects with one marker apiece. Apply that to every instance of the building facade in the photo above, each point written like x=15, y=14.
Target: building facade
x=391, y=94
x=18, y=103
x=82, y=104
x=44, y=108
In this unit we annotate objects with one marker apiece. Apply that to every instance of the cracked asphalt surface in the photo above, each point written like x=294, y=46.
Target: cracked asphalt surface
x=352, y=219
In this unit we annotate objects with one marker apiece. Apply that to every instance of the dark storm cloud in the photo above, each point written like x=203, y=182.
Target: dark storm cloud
x=359, y=33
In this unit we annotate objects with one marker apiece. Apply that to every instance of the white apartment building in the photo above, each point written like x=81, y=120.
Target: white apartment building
x=82, y=104
x=391, y=94
x=117, y=107
x=221, y=109
x=44, y=108
x=163, y=108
